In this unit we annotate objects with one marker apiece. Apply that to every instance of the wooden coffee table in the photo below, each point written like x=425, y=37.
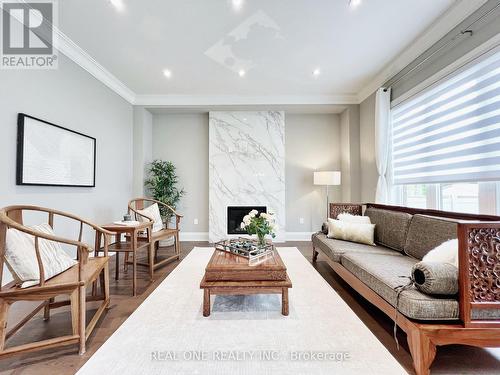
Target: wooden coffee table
x=233, y=275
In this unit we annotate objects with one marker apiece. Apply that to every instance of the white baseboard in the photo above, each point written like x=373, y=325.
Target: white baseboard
x=193, y=236
x=203, y=236
x=298, y=236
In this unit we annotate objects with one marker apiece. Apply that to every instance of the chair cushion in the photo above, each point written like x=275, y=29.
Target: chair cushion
x=391, y=227
x=334, y=249
x=382, y=273
x=152, y=212
x=20, y=255
x=426, y=233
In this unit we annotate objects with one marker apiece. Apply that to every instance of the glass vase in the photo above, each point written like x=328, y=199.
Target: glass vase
x=261, y=238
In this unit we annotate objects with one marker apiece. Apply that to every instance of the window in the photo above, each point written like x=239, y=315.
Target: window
x=468, y=197
x=415, y=195
x=446, y=142
x=460, y=197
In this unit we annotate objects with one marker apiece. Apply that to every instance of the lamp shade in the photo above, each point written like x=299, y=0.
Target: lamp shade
x=327, y=178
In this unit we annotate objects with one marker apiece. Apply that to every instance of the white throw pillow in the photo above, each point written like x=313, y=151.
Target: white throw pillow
x=355, y=232
x=20, y=256
x=354, y=218
x=153, y=212
x=447, y=252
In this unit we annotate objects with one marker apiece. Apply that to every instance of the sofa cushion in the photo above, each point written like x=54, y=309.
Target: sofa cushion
x=381, y=273
x=334, y=249
x=391, y=227
x=426, y=233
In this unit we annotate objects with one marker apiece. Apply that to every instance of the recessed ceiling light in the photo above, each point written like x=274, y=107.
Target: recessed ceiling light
x=167, y=73
x=354, y=3
x=237, y=4
x=242, y=73
x=316, y=72
x=118, y=4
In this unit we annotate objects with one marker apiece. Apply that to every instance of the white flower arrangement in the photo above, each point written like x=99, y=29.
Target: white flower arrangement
x=260, y=224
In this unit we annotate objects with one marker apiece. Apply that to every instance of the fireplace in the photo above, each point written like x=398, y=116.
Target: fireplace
x=235, y=217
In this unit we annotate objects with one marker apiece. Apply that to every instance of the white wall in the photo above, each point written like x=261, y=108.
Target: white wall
x=72, y=98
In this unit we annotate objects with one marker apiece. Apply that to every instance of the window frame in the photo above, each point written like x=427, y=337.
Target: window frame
x=488, y=193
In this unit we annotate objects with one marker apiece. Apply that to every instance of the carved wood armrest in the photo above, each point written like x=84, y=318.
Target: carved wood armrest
x=479, y=273
x=339, y=208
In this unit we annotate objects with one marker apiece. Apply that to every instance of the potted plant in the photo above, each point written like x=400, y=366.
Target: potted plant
x=260, y=224
x=162, y=186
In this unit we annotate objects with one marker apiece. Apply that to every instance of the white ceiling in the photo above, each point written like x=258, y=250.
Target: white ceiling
x=278, y=42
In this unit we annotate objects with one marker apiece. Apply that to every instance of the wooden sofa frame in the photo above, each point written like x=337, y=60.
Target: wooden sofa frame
x=72, y=282
x=479, y=286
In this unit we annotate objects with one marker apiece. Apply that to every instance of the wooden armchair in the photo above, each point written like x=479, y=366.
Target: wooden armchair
x=141, y=203
x=72, y=282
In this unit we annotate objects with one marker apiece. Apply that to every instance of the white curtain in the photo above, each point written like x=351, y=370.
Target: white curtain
x=382, y=141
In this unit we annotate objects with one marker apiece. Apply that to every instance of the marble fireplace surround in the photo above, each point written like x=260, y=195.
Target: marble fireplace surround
x=246, y=166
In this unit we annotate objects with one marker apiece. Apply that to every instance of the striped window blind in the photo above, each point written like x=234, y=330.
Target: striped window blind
x=451, y=131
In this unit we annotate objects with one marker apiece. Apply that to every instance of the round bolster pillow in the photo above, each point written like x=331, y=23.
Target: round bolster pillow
x=435, y=278
x=324, y=228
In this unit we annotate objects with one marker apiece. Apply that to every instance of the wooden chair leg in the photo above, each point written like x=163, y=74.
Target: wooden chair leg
x=105, y=285
x=422, y=350
x=151, y=259
x=4, y=313
x=125, y=263
x=75, y=312
x=117, y=266
x=177, y=244
x=81, y=320
x=134, y=272
x=46, y=309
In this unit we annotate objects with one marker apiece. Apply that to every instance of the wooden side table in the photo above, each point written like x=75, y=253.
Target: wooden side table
x=129, y=245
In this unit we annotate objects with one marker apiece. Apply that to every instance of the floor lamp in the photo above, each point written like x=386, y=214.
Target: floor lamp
x=327, y=178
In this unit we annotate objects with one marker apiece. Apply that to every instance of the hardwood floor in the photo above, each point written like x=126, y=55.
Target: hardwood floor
x=449, y=360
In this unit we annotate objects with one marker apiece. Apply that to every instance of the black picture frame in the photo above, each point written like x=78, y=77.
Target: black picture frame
x=20, y=180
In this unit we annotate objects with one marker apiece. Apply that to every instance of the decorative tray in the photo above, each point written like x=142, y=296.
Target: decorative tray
x=244, y=247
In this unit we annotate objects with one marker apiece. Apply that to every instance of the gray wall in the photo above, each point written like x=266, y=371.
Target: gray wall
x=183, y=140
x=72, y=98
x=369, y=175
x=312, y=142
x=143, y=147
x=350, y=154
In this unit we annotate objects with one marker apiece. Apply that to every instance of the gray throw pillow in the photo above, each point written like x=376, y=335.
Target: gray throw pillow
x=435, y=278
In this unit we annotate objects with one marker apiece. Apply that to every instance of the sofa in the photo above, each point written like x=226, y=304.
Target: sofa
x=403, y=236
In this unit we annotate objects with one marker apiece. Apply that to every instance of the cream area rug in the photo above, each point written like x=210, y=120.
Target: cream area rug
x=168, y=334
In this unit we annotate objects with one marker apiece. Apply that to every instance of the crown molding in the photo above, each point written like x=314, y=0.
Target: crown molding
x=451, y=18
x=70, y=49
x=208, y=100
